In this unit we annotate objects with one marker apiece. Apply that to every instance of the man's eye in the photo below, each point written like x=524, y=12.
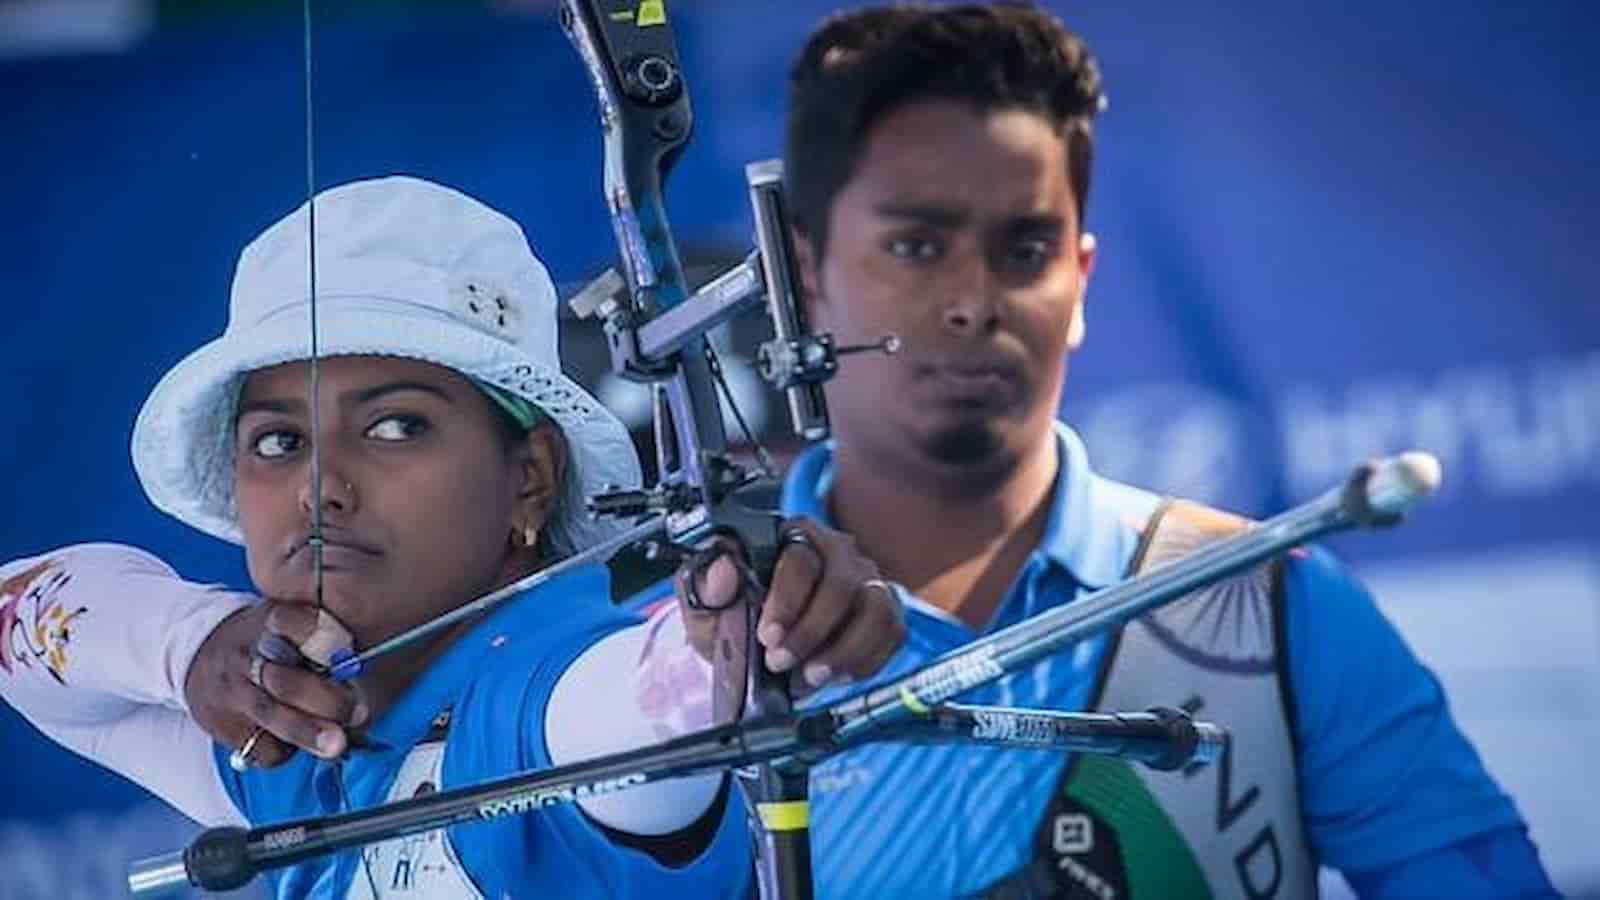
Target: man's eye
x=913, y=248
x=396, y=428
x=275, y=444
x=1029, y=255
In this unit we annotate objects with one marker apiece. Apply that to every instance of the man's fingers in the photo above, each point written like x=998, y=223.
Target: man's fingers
x=316, y=736
x=795, y=579
x=704, y=591
x=306, y=692
x=860, y=649
x=831, y=605
x=825, y=614
x=718, y=585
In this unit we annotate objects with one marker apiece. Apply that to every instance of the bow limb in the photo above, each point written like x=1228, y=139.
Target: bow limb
x=646, y=119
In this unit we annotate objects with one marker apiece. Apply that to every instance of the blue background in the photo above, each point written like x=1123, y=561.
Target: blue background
x=1327, y=230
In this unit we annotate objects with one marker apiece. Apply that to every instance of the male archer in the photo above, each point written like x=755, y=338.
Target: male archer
x=938, y=162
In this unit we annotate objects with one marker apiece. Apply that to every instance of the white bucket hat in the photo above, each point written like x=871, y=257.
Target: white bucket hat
x=405, y=268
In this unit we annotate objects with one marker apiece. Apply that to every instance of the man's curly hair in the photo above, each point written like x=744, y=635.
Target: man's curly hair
x=861, y=65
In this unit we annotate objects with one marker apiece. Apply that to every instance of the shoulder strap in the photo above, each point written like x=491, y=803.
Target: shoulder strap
x=1179, y=527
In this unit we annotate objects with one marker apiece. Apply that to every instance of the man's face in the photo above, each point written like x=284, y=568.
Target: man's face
x=419, y=491
x=959, y=233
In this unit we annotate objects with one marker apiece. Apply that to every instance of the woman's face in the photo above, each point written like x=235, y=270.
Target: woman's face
x=421, y=489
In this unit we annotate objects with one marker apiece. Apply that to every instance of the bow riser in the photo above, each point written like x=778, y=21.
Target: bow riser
x=646, y=119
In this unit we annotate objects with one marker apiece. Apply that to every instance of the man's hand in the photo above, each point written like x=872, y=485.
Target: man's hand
x=827, y=614
x=232, y=691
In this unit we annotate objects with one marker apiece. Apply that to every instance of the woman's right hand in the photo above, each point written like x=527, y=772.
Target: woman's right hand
x=232, y=692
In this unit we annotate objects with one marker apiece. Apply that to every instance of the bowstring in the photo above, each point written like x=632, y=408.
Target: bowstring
x=764, y=464
x=316, y=540
x=311, y=269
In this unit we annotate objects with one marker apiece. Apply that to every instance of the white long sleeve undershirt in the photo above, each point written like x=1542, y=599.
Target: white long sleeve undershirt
x=108, y=632
x=97, y=642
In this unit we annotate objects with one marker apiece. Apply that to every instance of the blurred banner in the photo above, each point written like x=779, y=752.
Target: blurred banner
x=1327, y=230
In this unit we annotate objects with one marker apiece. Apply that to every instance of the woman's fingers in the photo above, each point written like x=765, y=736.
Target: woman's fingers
x=308, y=693
x=289, y=725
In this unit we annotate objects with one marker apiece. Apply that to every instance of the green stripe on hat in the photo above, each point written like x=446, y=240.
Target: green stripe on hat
x=519, y=408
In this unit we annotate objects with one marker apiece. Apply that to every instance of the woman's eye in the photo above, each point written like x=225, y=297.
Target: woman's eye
x=396, y=428
x=275, y=444
x=913, y=248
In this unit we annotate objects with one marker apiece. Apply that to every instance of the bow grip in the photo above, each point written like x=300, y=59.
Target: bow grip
x=757, y=533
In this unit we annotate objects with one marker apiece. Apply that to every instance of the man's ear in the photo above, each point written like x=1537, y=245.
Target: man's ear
x=1077, y=327
x=805, y=263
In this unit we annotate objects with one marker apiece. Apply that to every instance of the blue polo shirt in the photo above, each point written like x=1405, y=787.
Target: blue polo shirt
x=496, y=681
x=1391, y=792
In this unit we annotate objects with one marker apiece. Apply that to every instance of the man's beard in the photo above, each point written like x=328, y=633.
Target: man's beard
x=962, y=445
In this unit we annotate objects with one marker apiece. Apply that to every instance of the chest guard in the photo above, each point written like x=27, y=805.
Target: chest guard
x=421, y=866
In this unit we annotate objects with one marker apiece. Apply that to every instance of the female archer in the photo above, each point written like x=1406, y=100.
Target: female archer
x=432, y=453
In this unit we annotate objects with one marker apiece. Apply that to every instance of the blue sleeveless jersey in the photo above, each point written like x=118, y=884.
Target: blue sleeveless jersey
x=495, y=681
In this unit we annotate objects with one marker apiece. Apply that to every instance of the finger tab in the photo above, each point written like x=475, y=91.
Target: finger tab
x=295, y=621
x=274, y=647
x=328, y=637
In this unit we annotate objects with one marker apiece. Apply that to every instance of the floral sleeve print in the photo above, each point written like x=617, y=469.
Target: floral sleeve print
x=35, y=628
